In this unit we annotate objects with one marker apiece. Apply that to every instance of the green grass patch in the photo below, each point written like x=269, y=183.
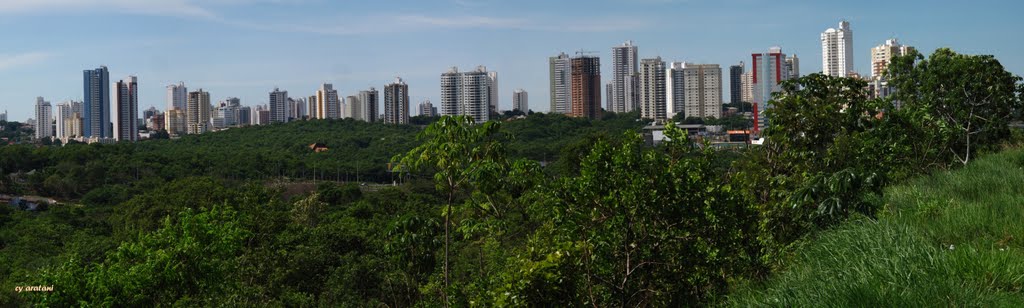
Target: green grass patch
x=951, y=239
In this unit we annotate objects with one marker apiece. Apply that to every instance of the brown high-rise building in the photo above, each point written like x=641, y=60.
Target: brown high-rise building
x=586, y=87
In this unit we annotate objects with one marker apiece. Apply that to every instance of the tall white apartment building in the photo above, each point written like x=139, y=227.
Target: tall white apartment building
x=466, y=93
x=652, y=90
x=625, y=84
x=353, y=109
x=328, y=104
x=560, y=76
x=493, y=100
x=520, y=100
x=64, y=111
x=368, y=101
x=43, y=121
x=792, y=67
x=695, y=90
x=177, y=96
x=279, y=106
x=837, y=51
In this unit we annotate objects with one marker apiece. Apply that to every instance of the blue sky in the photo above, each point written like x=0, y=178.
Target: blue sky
x=245, y=48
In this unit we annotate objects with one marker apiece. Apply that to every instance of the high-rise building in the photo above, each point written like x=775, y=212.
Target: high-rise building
x=126, y=108
x=328, y=104
x=520, y=100
x=652, y=90
x=73, y=125
x=261, y=115
x=279, y=106
x=312, y=105
x=466, y=93
x=625, y=83
x=396, y=102
x=244, y=116
x=3, y=116
x=702, y=89
x=353, y=108
x=176, y=122
x=150, y=112
x=882, y=55
x=234, y=108
x=608, y=96
x=155, y=123
x=226, y=114
x=427, y=109
x=296, y=108
x=197, y=116
x=675, y=90
x=736, y=83
x=792, y=68
x=64, y=111
x=768, y=71
x=560, y=77
x=747, y=88
x=493, y=93
x=368, y=100
x=44, y=119
x=177, y=96
x=586, y=87
x=837, y=50
x=96, y=109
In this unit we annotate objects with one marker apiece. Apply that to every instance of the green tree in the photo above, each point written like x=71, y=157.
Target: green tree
x=456, y=151
x=823, y=156
x=636, y=227
x=962, y=102
x=188, y=262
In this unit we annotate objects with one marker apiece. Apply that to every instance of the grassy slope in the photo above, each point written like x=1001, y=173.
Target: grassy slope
x=952, y=239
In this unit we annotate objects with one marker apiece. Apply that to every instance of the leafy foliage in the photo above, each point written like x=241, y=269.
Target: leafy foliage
x=637, y=227
x=958, y=101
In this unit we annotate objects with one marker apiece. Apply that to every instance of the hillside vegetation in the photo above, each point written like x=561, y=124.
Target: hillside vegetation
x=482, y=219
x=954, y=239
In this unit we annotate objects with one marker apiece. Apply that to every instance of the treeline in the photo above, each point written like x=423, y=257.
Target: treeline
x=357, y=152
x=482, y=222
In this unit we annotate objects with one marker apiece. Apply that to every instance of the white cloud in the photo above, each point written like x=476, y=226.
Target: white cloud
x=11, y=61
x=462, y=21
x=145, y=7
x=377, y=24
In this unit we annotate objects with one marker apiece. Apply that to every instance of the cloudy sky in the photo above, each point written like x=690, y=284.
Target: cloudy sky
x=245, y=48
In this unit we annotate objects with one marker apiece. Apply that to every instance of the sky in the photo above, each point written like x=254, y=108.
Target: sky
x=246, y=48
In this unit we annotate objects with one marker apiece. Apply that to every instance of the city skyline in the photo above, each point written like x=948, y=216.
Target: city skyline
x=219, y=45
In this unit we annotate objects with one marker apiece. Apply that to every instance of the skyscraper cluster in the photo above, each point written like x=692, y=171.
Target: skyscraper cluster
x=655, y=88
x=651, y=86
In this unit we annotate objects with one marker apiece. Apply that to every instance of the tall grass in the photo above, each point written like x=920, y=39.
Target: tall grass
x=952, y=239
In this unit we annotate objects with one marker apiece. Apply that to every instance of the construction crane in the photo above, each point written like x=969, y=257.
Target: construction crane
x=582, y=52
